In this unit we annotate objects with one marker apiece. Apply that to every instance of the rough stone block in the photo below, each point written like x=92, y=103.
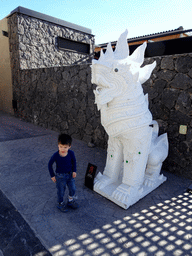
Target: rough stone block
x=183, y=64
x=169, y=97
x=167, y=63
x=181, y=81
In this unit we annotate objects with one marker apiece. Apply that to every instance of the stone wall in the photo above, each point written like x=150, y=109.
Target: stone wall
x=37, y=42
x=170, y=101
x=61, y=99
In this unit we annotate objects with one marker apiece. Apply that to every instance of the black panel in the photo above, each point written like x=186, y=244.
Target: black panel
x=66, y=44
x=90, y=175
x=5, y=33
x=168, y=47
x=14, y=105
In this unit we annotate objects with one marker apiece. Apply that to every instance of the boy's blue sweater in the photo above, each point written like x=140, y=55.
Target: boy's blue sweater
x=64, y=164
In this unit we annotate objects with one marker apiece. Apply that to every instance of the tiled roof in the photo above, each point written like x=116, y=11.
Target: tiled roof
x=164, y=33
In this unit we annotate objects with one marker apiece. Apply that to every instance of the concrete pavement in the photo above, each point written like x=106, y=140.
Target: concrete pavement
x=159, y=224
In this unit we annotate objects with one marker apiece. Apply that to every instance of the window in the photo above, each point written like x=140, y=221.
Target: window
x=70, y=45
x=5, y=33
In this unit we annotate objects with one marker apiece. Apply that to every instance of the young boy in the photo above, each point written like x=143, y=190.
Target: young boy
x=65, y=172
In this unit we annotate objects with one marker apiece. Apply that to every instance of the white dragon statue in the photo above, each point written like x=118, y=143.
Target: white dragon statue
x=135, y=151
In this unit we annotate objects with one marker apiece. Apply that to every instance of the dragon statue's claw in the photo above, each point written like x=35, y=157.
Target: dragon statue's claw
x=102, y=181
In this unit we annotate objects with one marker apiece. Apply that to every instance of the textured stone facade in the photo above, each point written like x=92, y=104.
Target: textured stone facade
x=61, y=99
x=170, y=101
x=37, y=43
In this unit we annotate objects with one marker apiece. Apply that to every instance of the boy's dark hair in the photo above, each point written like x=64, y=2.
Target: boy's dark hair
x=64, y=139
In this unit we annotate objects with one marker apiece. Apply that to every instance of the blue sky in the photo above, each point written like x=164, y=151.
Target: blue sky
x=109, y=18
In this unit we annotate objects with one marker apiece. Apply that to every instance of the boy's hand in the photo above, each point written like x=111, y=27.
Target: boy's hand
x=53, y=179
x=74, y=174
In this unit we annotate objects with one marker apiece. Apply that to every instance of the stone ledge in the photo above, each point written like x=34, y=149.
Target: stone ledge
x=48, y=18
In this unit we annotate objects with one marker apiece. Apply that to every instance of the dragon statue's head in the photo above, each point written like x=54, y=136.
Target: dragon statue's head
x=118, y=73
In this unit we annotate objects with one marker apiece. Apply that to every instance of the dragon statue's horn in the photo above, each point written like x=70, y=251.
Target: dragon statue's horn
x=101, y=53
x=138, y=55
x=109, y=51
x=145, y=72
x=102, y=56
x=122, y=48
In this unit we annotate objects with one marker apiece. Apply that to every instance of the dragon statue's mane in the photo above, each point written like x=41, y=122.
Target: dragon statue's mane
x=120, y=68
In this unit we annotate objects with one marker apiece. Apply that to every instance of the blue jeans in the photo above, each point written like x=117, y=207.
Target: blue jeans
x=61, y=181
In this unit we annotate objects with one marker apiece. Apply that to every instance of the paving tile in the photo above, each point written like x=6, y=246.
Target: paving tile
x=16, y=236
x=159, y=224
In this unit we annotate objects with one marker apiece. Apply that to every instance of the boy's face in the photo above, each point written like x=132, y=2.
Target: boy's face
x=63, y=149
